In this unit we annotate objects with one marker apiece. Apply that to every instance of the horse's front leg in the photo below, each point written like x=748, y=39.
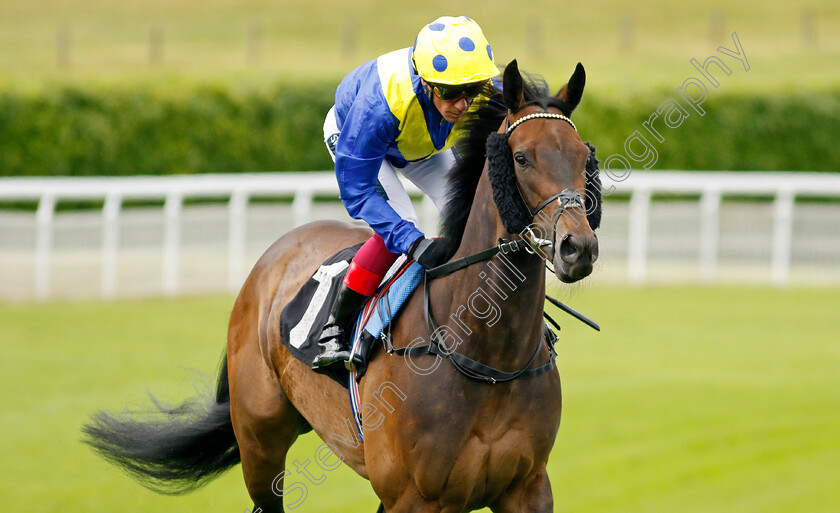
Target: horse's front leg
x=530, y=495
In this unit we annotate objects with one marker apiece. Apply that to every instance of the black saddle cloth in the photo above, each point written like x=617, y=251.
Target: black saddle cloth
x=303, y=318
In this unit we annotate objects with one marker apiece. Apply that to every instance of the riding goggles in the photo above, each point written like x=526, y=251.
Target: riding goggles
x=455, y=92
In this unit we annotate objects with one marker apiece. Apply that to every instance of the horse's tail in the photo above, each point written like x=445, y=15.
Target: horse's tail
x=171, y=450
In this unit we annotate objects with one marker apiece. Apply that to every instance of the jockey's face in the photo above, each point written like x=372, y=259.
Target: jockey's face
x=451, y=110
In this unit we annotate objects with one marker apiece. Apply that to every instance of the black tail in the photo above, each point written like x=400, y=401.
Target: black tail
x=171, y=450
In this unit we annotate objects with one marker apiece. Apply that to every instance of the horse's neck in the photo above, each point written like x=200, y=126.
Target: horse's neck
x=501, y=300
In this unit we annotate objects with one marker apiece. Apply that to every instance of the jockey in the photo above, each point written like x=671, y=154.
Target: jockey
x=399, y=111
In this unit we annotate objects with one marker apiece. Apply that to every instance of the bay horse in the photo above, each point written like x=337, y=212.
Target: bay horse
x=436, y=438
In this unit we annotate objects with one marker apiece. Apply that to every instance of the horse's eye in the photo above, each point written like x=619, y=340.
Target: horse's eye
x=520, y=159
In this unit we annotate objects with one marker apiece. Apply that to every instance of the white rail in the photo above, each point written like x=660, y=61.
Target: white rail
x=239, y=189
x=173, y=190
x=711, y=186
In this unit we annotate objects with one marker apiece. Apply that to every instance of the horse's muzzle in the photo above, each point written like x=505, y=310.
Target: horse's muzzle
x=574, y=256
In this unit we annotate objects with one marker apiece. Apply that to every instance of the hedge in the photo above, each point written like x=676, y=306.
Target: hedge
x=124, y=130
x=737, y=132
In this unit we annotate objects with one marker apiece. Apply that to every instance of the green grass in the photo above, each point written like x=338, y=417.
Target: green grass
x=691, y=399
x=109, y=40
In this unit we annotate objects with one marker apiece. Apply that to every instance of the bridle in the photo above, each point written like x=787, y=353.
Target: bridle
x=511, y=127
x=567, y=198
x=465, y=365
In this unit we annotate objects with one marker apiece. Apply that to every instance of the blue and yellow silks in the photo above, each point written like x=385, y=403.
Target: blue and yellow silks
x=383, y=112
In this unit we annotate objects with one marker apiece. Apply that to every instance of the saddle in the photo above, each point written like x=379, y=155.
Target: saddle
x=303, y=318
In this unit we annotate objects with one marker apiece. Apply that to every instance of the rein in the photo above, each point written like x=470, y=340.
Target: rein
x=465, y=365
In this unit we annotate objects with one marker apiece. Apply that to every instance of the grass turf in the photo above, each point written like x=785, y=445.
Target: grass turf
x=628, y=47
x=692, y=399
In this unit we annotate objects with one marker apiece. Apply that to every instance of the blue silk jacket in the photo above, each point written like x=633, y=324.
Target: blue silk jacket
x=383, y=112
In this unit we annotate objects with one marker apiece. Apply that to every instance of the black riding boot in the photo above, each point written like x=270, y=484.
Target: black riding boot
x=334, y=346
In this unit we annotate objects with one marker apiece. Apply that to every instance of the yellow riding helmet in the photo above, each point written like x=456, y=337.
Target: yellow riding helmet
x=453, y=51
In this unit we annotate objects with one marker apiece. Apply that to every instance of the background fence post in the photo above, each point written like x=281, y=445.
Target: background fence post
x=808, y=29
x=155, y=45
x=782, y=235
x=237, y=212
x=717, y=26
x=62, y=47
x=171, y=242
x=709, y=233
x=301, y=206
x=533, y=36
x=348, y=40
x=637, y=236
x=44, y=216
x=110, y=243
x=253, y=42
x=625, y=32
x=430, y=212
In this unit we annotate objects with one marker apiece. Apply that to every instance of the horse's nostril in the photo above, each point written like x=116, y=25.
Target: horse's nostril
x=569, y=249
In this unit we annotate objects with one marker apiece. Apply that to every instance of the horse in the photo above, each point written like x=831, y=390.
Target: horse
x=437, y=437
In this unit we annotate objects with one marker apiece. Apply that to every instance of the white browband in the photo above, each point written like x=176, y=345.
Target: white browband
x=539, y=115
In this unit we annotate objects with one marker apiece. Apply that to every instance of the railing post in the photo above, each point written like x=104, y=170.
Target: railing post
x=171, y=242
x=638, y=235
x=782, y=235
x=43, y=247
x=709, y=233
x=237, y=211
x=301, y=206
x=110, y=243
x=429, y=212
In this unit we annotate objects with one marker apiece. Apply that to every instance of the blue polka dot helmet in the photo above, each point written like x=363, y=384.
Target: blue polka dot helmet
x=453, y=51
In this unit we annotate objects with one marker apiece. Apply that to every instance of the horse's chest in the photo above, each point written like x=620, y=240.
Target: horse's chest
x=466, y=444
x=474, y=470
x=480, y=458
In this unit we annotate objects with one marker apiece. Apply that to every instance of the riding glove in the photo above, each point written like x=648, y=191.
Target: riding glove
x=428, y=252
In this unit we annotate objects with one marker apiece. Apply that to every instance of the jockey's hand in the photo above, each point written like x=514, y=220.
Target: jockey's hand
x=428, y=252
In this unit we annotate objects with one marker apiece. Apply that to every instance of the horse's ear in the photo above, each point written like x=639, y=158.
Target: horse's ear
x=512, y=87
x=572, y=92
